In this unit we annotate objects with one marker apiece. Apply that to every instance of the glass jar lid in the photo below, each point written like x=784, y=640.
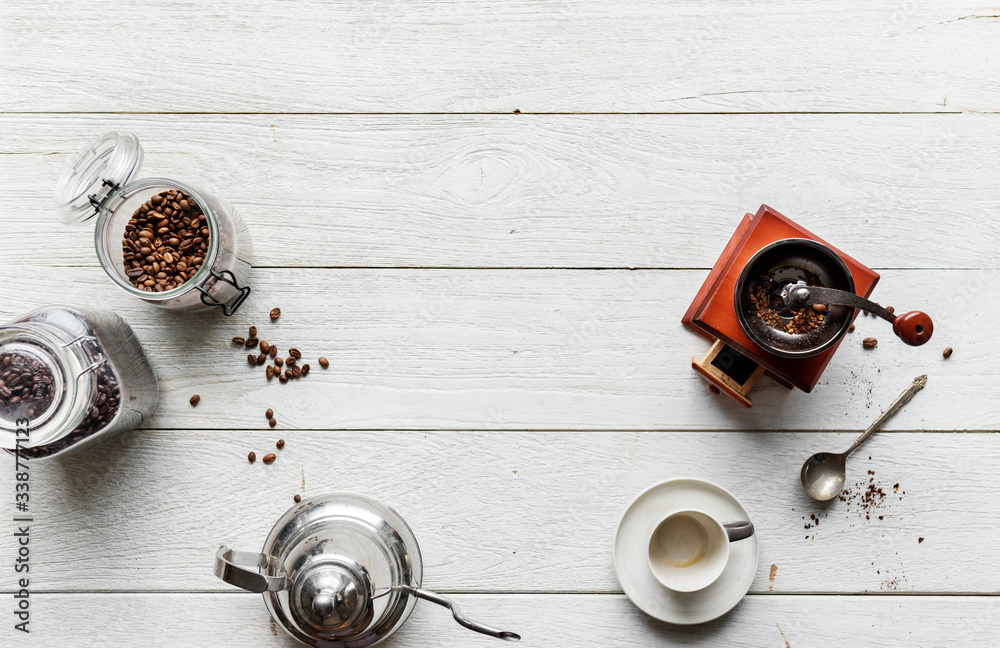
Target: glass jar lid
x=106, y=164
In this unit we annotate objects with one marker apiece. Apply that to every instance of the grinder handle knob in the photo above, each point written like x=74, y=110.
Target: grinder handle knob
x=914, y=327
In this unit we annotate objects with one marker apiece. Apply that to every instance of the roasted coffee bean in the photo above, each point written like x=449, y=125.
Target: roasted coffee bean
x=851, y=328
x=252, y=359
x=261, y=359
x=252, y=457
x=869, y=343
x=273, y=351
x=288, y=374
x=279, y=362
x=296, y=371
x=251, y=342
x=305, y=369
x=195, y=400
x=157, y=242
x=298, y=498
x=270, y=372
x=253, y=331
x=264, y=346
x=269, y=413
x=272, y=421
x=290, y=360
x=323, y=362
x=947, y=352
x=890, y=309
x=275, y=313
x=283, y=379
x=295, y=353
x=280, y=443
x=819, y=308
x=269, y=458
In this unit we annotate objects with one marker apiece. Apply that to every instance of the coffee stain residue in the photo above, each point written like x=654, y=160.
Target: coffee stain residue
x=689, y=562
x=787, y=645
x=770, y=580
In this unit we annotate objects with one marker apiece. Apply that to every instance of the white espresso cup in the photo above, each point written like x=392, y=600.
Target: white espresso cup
x=689, y=549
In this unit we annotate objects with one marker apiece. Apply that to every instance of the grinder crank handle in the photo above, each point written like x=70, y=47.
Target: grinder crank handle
x=913, y=328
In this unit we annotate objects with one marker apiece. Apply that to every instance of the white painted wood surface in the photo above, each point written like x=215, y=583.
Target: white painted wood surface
x=531, y=55
x=498, y=374
x=581, y=191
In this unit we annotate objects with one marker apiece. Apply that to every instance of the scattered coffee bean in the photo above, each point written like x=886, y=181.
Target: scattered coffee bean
x=295, y=353
x=298, y=498
x=947, y=352
x=283, y=379
x=261, y=359
x=919, y=540
x=269, y=458
x=869, y=342
x=272, y=421
x=252, y=457
x=890, y=309
x=239, y=340
x=323, y=362
x=288, y=374
x=819, y=308
x=290, y=360
x=305, y=369
x=251, y=342
x=195, y=400
x=269, y=413
x=252, y=359
x=273, y=351
x=275, y=313
x=279, y=361
x=253, y=331
x=296, y=371
x=264, y=346
x=269, y=372
x=850, y=329
x=280, y=444
x=166, y=241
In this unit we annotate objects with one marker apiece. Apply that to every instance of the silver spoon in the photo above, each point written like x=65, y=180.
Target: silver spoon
x=823, y=473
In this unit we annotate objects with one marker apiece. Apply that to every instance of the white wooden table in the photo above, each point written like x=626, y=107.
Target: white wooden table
x=491, y=217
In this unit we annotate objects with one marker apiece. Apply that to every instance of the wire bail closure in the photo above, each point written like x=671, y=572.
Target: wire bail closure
x=234, y=304
x=80, y=339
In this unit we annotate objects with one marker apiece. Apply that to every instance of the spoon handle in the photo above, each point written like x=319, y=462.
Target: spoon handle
x=915, y=386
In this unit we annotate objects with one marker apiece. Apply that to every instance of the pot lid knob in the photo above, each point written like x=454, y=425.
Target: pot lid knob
x=333, y=599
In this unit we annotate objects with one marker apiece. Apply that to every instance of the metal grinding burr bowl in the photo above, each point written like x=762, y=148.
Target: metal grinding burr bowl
x=764, y=313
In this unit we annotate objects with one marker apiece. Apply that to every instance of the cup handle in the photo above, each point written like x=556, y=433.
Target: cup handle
x=738, y=530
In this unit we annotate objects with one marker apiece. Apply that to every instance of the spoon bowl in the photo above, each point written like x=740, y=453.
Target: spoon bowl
x=823, y=475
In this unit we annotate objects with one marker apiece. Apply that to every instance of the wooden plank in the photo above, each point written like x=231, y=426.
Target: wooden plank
x=577, y=56
x=539, y=191
x=539, y=349
x=513, y=511
x=238, y=621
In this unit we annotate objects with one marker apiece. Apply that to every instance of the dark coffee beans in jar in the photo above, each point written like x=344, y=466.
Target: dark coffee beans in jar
x=25, y=386
x=165, y=242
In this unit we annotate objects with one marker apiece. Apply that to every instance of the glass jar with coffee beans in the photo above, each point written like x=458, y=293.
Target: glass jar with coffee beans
x=168, y=243
x=69, y=378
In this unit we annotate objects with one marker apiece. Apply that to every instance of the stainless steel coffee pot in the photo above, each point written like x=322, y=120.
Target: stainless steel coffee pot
x=338, y=570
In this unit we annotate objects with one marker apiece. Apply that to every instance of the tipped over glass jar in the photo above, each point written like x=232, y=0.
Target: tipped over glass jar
x=70, y=378
x=167, y=243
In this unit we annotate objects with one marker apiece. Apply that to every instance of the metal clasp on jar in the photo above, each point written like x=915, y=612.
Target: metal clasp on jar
x=234, y=304
x=97, y=357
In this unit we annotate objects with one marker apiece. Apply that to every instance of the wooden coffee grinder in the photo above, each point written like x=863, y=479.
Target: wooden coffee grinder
x=779, y=301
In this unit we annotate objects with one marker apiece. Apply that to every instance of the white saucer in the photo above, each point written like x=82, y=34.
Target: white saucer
x=632, y=542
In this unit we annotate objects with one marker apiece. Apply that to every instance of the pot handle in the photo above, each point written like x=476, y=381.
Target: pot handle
x=461, y=618
x=231, y=566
